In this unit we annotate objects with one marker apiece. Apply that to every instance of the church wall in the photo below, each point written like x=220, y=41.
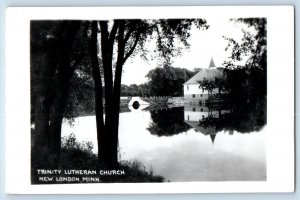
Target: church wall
x=194, y=92
x=196, y=116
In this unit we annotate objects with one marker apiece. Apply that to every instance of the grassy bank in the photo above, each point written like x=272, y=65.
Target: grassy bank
x=78, y=164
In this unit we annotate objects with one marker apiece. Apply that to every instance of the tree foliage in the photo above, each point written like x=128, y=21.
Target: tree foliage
x=253, y=45
x=214, y=84
x=207, y=85
x=168, y=81
x=132, y=90
x=250, y=79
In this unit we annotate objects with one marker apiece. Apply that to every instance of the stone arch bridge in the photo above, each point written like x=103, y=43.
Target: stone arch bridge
x=137, y=101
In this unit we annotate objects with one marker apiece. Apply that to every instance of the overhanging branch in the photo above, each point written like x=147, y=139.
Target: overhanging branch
x=133, y=47
x=127, y=36
x=113, y=33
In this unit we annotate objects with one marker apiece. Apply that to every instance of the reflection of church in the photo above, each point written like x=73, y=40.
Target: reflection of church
x=193, y=115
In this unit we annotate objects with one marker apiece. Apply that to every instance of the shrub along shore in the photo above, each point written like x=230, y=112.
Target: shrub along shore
x=78, y=164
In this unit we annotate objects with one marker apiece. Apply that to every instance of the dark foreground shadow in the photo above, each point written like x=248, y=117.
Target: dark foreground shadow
x=79, y=164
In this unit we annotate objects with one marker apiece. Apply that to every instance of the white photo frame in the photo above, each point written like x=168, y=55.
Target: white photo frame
x=280, y=94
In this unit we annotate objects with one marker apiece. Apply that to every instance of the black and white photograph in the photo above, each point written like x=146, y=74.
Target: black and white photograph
x=141, y=100
x=150, y=99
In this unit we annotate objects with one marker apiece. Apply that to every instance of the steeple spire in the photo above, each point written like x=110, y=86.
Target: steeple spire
x=212, y=137
x=212, y=64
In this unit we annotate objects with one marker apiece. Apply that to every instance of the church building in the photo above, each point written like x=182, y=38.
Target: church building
x=191, y=89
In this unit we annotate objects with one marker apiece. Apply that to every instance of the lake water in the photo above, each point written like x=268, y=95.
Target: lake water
x=190, y=143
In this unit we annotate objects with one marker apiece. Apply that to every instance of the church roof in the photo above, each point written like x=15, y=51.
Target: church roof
x=206, y=131
x=211, y=131
x=208, y=73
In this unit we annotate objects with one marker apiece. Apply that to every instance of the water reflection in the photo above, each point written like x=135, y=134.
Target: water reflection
x=137, y=108
x=190, y=143
x=204, y=119
x=167, y=122
x=208, y=120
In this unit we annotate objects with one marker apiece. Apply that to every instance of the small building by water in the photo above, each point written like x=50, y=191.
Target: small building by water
x=192, y=92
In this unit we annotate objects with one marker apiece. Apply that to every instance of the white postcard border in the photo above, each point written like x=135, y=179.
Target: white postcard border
x=280, y=102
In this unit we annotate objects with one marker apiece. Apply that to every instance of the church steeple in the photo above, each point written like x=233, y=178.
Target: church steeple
x=212, y=137
x=212, y=64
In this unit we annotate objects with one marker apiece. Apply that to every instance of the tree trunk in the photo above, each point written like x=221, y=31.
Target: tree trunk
x=112, y=88
x=40, y=134
x=62, y=94
x=107, y=42
x=116, y=93
x=101, y=137
x=108, y=157
x=64, y=75
x=42, y=106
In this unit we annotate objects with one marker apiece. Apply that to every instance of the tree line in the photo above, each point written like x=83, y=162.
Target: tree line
x=162, y=81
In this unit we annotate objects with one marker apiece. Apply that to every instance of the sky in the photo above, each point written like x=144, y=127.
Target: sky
x=205, y=44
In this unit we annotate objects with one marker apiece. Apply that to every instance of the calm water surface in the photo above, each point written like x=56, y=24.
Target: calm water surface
x=189, y=143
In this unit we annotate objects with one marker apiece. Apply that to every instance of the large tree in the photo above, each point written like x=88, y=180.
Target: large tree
x=119, y=40
x=53, y=63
